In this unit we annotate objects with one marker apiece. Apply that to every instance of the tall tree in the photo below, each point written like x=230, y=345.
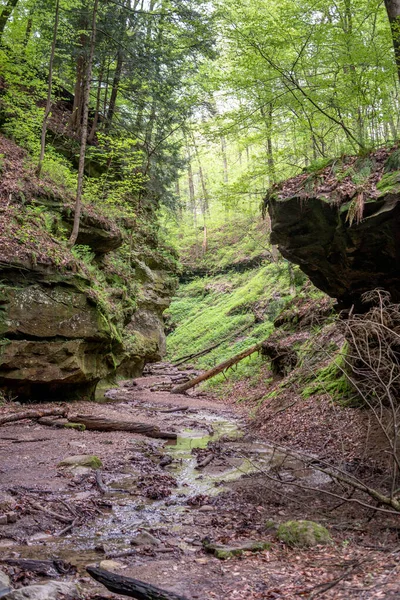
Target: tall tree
x=50, y=88
x=84, y=129
x=393, y=11
x=6, y=14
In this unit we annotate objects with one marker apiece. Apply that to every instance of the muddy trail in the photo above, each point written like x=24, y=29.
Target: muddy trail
x=153, y=508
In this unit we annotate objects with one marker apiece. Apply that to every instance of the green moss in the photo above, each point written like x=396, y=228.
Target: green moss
x=303, y=534
x=220, y=309
x=226, y=552
x=390, y=183
x=78, y=426
x=331, y=379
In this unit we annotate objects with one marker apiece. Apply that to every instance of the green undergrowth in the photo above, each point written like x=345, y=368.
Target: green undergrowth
x=234, y=310
x=331, y=379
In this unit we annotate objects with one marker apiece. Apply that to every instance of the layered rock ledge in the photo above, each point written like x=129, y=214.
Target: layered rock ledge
x=341, y=225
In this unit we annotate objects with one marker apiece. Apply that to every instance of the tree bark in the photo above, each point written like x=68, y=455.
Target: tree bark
x=130, y=587
x=393, y=11
x=33, y=414
x=49, y=89
x=98, y=101
x=180, y=389
x=84, y=132
x=224, y=159
x=6, y=14
x=100, y=424
x=115, y=87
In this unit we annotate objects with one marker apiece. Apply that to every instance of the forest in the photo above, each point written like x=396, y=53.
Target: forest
x=199, y=299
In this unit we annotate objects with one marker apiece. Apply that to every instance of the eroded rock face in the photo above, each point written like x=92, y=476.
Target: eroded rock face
x=58, y=335
x=56, y=341
x=342, y=259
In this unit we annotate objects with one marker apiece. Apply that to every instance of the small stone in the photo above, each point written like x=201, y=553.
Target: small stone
x=111, y=565
x=145, y=539
x=7, y=502
x=39, y=537
x=7, y=543
x=12, y=517
x=82, y=496
x=3, y=519
x=82, y=460
x=206, y=508
x=303, y=534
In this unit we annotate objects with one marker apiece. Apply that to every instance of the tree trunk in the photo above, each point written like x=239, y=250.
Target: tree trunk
x=6, y=14
x=81, y=168
x=33, y=414
x=98, y=101
x=101, y=424
x=180, y=389
x=76, y=117
x=192, y=198
x=49, y=89
x=224, y=159
x=130, y=587
x=393, y=11
x=115, y=87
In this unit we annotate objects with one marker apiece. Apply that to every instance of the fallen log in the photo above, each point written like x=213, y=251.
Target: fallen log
x=102, y=424
x=131, y=587
x=49, y=568
x=34, y=414
x=183, y=359
x=180, y=389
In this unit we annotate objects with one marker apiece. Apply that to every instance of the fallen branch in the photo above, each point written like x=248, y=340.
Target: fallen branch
x=131, y=587
x=180, y=389
x=50, y=568
x=183, y=359
x=101, y=424
x=67, y=528
x=205, y=462
x=33, y=414
x=50, y=513
x=100, y=483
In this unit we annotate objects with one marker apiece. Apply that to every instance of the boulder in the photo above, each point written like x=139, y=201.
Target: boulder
x=49, y=591
x=82, y=460
x=342, y=255
x=303, y=534
x=5, y=587
x=145, y=539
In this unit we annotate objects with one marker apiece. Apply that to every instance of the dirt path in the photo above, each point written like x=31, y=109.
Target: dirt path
x=156, y=487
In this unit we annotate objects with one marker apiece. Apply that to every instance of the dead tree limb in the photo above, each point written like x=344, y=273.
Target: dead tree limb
x=131, y=587
x=101, y=424
x=33, y=414
x=180, y=389
x=183, y=359
x=50, y=513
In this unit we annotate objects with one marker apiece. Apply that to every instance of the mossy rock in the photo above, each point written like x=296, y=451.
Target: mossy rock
x=303, y=533
x=78, y=426
x=225, y=552
x=82, y=460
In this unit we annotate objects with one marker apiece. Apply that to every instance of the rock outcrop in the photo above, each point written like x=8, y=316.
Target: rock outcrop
x=70, y=319
x=345, y=235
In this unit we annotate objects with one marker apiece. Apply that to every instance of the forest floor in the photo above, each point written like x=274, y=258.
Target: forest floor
x=160, y=488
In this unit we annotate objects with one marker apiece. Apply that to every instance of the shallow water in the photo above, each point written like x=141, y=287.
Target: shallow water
x=130, y=512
